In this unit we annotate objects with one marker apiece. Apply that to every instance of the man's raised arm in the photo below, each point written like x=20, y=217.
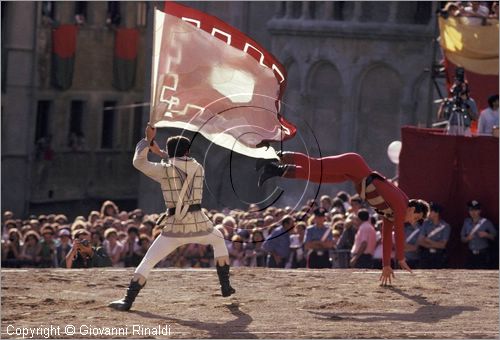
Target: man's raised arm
x=151, y=169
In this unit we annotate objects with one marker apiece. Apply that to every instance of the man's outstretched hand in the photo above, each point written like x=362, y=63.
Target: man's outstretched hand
x=404, y=265
x=386, y=276
x=150, y=132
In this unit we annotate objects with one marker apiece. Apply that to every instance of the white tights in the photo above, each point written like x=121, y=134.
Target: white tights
x=163, y=246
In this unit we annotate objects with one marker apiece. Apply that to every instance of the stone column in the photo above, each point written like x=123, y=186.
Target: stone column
x=306, y=15
x=328, y=11
x=129, y=12
x=393, y=9
x=98, y=12
x=289, y=10
x=65, y=11
x=19, y=105
x=277, y=9
x=357, y=11
x=434, y=8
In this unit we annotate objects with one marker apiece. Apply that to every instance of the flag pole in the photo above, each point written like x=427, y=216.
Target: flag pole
x=153, y=82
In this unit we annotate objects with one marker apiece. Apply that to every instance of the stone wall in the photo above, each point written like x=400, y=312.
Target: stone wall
x=91, y=172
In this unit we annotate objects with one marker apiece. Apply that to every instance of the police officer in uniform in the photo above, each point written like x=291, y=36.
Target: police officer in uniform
x=433, y=238
x=318, y=241
x=412, y=231
x=477, y=232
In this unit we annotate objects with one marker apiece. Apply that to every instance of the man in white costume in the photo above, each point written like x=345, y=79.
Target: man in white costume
x=181, y=179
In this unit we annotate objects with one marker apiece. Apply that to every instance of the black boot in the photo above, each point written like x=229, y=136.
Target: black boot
x=225, y=286
x=273, y=170
x=124, y=304
x=263, y=161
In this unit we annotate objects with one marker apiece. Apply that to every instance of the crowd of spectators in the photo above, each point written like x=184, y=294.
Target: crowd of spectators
x=335, y=232
x=472, y=12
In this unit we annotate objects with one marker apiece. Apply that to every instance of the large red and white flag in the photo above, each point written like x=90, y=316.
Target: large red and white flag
x=210, y=78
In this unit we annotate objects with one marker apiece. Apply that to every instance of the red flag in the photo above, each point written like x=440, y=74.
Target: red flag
x=210, y=78
x=124, y=65
x=63, y=55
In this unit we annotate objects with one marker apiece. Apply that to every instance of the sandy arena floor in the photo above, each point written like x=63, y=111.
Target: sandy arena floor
x=268, y=304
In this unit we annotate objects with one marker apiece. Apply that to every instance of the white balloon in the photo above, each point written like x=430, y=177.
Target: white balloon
x=393, y=151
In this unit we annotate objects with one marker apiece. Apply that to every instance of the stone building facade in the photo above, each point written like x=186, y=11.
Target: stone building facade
x=356, y=74
x=42, y=168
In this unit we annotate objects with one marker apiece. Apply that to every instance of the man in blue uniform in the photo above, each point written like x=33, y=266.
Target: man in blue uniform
x=318, y=241
x=412, y=231
x=477, y=232
x=433, y=238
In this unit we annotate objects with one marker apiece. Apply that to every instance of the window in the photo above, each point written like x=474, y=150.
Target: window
x=42, y=120
x=76, y=115
x=108, y=122
x=142, y=14
x=49, y=9
x=137, y=127
x=76, y=139
x=343, y=10
x=416, y=12
x=423, y=13
x=80, y=12
x=338, y=10
x=114, y=16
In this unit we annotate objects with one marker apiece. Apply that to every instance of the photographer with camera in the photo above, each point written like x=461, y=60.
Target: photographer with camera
x=459, y=109
x=83, y=255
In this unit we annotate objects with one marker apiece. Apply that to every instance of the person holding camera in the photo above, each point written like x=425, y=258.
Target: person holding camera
x=83, y=255
x=460, y=109
x=11, y=249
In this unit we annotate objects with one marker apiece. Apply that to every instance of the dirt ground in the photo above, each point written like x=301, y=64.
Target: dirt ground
x=268, y=304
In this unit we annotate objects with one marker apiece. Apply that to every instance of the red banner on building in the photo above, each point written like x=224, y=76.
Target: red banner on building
x=125, y=61
x=63, y=55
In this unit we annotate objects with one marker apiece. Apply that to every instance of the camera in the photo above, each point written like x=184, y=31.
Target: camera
x=456, y=104
x=460, y=74
x=460, y=86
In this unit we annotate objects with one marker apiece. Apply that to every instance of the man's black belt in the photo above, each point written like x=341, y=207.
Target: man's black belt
x=372, y=176
x=193, y=207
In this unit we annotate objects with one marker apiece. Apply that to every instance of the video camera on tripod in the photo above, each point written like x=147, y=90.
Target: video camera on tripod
x=455, y=109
